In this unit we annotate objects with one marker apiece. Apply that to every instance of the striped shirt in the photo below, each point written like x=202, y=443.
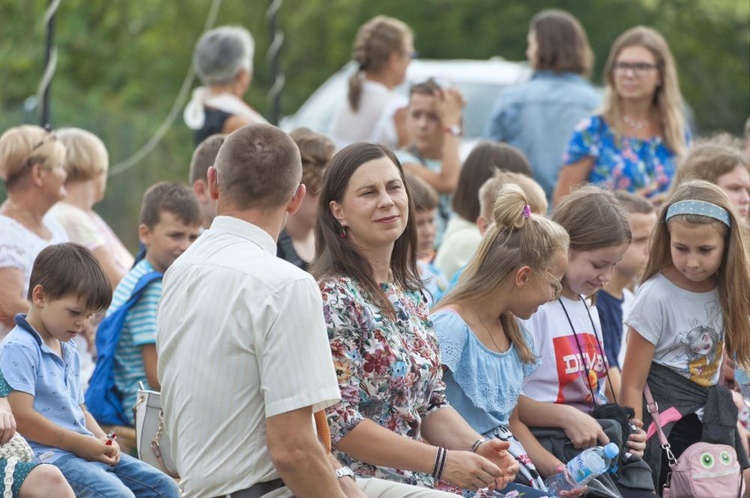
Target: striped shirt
x=138, y=330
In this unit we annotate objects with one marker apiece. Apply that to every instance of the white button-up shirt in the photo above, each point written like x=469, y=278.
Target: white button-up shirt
x=240, y=338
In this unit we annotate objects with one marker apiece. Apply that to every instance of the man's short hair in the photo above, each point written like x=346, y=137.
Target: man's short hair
x=204, y=156
x=175, y=198
x=69, y=268
x=258, y=167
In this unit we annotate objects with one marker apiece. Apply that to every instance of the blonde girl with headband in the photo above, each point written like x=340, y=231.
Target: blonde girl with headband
x=484, y=350
x=690, y=313
x=571, y=381
x=372, y=111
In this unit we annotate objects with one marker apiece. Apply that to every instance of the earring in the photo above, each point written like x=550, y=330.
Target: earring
x=342, y=233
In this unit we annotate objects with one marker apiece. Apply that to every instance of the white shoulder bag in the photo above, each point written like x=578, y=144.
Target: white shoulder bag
x=152, y=441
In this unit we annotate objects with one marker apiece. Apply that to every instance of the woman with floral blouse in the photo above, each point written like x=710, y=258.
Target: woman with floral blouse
x=393, y=421
x=633, y=143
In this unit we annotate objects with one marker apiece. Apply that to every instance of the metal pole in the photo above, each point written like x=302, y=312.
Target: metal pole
x=274, y=51
x=45, y=117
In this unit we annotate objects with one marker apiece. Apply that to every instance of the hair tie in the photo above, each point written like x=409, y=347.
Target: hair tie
x=701, y=208
x=526, y=211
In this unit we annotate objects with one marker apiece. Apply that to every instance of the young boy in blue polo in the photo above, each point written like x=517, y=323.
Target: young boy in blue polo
x=40, y=362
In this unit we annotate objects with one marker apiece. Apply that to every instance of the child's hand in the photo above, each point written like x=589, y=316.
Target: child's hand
x=94, y=450
x=583, y=430
x=637, y=440
x=7, y=425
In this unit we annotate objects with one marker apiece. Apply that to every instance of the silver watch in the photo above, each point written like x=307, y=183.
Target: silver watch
x=344, y=472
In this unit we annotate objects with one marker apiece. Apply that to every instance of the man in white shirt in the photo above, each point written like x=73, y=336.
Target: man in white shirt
x=244, y=358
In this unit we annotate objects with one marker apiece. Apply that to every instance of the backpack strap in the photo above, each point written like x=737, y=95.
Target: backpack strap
x=141, y=285
x=653, y=408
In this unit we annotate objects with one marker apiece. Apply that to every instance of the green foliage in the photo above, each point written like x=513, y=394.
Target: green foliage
x=121, y=63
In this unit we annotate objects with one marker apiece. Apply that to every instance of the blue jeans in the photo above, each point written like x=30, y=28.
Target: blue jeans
x=129, y=478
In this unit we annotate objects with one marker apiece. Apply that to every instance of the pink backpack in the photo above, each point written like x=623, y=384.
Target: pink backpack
x=703, y=469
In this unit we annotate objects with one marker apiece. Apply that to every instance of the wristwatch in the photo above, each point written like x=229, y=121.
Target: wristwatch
x=344, y=472
x=454, y=130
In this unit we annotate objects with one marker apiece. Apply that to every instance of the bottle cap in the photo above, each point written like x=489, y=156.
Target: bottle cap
x=611, y=450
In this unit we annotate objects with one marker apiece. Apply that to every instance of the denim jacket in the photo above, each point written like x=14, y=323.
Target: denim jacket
x=539, y=116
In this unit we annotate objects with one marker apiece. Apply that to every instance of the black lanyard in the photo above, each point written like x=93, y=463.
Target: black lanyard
x=600, y=347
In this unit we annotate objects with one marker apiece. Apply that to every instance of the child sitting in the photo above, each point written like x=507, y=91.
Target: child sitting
x=425, y=199
x=615, y=299
x=40, y=362
x=170, y=222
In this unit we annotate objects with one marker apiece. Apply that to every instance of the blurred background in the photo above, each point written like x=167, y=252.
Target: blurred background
x=121, y=63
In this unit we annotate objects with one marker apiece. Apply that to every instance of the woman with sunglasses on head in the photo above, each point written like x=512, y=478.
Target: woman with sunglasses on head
x=634, y=143
x=372, y=111
x=33, y=173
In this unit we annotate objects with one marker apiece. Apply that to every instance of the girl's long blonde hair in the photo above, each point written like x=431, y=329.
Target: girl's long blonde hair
x=667, y=99
x=514, y=241
x=733, y=277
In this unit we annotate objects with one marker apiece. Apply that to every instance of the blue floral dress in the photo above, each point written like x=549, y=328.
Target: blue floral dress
x=22, y=469
x=642, y=166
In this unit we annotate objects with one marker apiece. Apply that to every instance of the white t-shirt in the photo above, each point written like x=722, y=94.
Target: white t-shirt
x=240, y=337
x=373, y=121
x=19, y=248
x=627, y=305
x=686, y=328
x=561, y=377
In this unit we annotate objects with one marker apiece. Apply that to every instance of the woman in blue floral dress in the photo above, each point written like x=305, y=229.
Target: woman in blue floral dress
x=393, y=421
x=25, y=479
x=634, y=143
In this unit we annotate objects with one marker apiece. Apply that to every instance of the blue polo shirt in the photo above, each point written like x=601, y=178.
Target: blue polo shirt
x=30, y=366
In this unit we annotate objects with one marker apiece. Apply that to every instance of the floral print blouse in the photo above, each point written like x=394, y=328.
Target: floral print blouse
x=388, y=370
x=645, y=167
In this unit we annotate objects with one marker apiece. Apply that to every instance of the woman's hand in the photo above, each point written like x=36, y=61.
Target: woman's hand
x=7, y=422
x=637, y=439
x=496, y=451
x=583, y=430
x=471, y=471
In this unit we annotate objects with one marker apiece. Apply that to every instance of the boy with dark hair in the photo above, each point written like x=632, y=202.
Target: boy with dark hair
x=40, y=362
x=615, y=299
x=169, y=223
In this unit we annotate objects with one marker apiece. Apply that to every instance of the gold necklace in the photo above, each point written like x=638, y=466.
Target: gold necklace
x=499, y=350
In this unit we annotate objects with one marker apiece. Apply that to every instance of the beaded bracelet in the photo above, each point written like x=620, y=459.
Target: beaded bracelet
x=440, y=458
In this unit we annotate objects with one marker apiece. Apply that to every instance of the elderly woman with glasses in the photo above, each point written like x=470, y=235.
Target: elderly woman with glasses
x=223, y=59
x=634, y=143
x=32, y=170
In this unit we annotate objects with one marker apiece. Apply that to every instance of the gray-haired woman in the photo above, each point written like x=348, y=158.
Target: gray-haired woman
x=223, y=59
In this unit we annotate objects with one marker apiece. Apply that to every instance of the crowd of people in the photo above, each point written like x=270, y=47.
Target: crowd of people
x=358, y=312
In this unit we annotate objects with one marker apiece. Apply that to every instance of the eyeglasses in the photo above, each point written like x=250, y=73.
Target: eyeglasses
x=638, y=68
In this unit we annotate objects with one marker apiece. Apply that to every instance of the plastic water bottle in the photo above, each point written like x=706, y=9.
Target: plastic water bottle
x=586, y=466
x=742, y=379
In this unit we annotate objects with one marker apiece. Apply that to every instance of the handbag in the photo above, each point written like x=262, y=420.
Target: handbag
x=703, y=469
x=152, y=441
x=18, y=448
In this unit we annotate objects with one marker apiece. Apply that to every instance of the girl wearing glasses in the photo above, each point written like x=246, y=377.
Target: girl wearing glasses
x=33, y=173
x=633, y=144
x=485, y=352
